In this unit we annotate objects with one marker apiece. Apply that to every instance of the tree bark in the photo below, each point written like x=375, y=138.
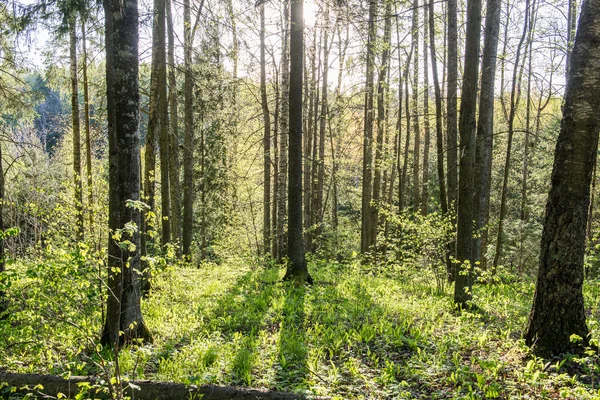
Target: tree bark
x=149, y=184
x=283, y=133
x=266, y=140
x=438, y=114
x=174, y=183
x=467, y=128
x=188, y=141
x=163, y=112
x=415, y=109
x=558, y=306
x=123, y=311
x=485, y=127
x=76, y=130
x=297, y=270
x=319, y=209
x=366, y=241
x=382, y=87
x=452, y=113
x=88, y=140
x=426, y=130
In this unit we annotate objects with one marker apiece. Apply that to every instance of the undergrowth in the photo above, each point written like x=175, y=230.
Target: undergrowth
x=351, y=335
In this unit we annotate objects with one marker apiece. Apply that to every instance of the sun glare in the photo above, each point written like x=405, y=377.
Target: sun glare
x=310, y=13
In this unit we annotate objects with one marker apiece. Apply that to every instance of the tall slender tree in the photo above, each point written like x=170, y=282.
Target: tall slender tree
x=514, y=102
x=451, y=104
x=485, y=126
x=366, y=241
x=426, y=130
x=174, y=183
x=415, y=108
x=86, y=117
x=266, y=139
x=297, y=270
x=467, y=128
x=283, y=133
x=188, y=141
x=382, y=86
x=163, y=107
x=124, y=321
x=76, y=128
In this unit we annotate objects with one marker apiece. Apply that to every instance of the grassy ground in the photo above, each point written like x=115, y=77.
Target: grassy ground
x=350, y=335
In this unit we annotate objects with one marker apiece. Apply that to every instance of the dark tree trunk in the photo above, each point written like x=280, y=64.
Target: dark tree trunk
x=558, y=306
x=297, y=270
x=467, y=128
x=163, y=112
x=404, y=176
x=174, y=183
x=188, y=140
x=76, y=130
x=266, y=140
x=283, y=133
x=123, y=311
x=88, y=140
x=451, y=116
x=382, y=87
x=485, y=127
x=366, y=241
x=275, y=168
x=415, y=109
x=438, y=114
x=319, y=209
x=149, y=185
x=426, y=130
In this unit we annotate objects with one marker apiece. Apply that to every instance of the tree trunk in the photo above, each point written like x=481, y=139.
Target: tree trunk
x=438, y=113
x=319, y=210
x=283, y=133
x=415, y=108
x=467, y=128
x=124, y=321
x=188, y=140
x=366, y=241
x=426, y=130
x=266, y=140
x=382, y=86
x=164, y=125
x=297, y=270
x=149, y=187
x=275, y=213
x=404, y=180
x=514, y=101
x=571, y=25
x=76, y=130
x=174, y=184
x=310, y=83
x=558, y=306
x=451, y=117
x=485, y=127
x=88, y=140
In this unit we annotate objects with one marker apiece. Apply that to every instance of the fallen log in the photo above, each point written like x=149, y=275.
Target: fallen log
x=46, y=386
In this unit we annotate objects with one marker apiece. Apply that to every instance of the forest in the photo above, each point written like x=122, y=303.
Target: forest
x=299, y=199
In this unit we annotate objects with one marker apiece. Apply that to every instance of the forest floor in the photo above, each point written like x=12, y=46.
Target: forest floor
x=351, y=335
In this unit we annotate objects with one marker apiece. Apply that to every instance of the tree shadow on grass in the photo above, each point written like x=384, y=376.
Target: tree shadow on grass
x=365, y=346
x=240, y=311
x=292, y=369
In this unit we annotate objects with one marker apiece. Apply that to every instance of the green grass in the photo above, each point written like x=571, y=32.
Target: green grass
x=351, y=335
